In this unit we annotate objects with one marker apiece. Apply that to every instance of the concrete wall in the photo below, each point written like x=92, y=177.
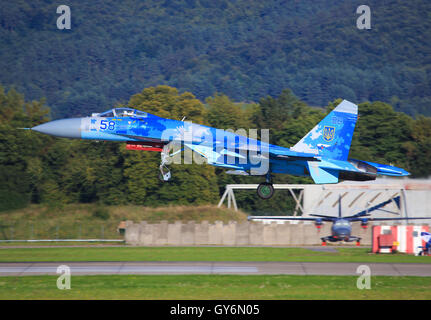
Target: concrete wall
x=231, y=234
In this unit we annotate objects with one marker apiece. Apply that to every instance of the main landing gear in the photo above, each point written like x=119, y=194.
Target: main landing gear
x=337, y=239
x=265, y=190
x=358, y=243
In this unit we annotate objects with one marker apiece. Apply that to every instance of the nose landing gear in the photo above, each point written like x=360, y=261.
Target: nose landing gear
x=165, y=173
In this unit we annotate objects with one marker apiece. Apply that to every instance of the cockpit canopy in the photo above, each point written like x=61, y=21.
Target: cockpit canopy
x=122, y=112
x=343, y=223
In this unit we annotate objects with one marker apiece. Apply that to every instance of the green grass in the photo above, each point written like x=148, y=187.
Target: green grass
x=85, y=221
x=36, y=244
x=210, y=287
x=202, y=254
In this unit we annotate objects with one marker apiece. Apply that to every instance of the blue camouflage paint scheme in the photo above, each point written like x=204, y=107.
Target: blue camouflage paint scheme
x=321, y=154
x=331, y=138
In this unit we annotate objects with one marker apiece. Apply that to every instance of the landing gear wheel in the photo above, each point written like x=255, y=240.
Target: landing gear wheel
x=164, y=175
x=163, y=179
x=265, y=190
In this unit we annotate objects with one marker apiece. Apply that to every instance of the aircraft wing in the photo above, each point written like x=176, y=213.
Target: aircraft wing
x=257, y=153
x=215, y=155
x=390, y=219
x=277, y=152
x=324, y=217
x=282, y=218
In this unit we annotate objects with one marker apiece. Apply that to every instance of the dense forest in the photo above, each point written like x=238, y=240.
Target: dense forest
x=35, y=168
x=247, y=49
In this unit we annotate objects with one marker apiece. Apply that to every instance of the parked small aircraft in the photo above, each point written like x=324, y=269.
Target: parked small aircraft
x=341, y=229
x=321, y=154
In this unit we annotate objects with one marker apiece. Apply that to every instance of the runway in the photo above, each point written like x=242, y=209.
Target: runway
x=238, y=268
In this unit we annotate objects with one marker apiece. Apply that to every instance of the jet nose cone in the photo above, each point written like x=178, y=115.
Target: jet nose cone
x=404, y=172
x=65, y=128
x=343, y=232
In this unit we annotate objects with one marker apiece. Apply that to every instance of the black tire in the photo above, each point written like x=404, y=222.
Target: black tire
x=161, y=178
x=265, y=190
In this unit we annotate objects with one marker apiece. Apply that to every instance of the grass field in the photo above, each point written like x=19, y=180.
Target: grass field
x=75, y=244
x=88, y=221
x=209, y=287
x=74, y=221
x=212, y=287
x=202, y=254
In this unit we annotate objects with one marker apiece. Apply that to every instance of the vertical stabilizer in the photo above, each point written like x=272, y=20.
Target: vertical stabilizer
x=333, y=135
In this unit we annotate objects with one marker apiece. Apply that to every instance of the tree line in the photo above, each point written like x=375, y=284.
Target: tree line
x=36, y=168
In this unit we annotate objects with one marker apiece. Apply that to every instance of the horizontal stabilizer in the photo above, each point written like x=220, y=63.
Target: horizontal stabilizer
x=426, y=236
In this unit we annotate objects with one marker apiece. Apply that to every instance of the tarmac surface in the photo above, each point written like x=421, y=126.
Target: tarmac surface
x=239, y=268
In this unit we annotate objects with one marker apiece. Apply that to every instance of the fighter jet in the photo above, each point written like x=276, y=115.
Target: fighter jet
x=341, y=229
x=321, y=154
